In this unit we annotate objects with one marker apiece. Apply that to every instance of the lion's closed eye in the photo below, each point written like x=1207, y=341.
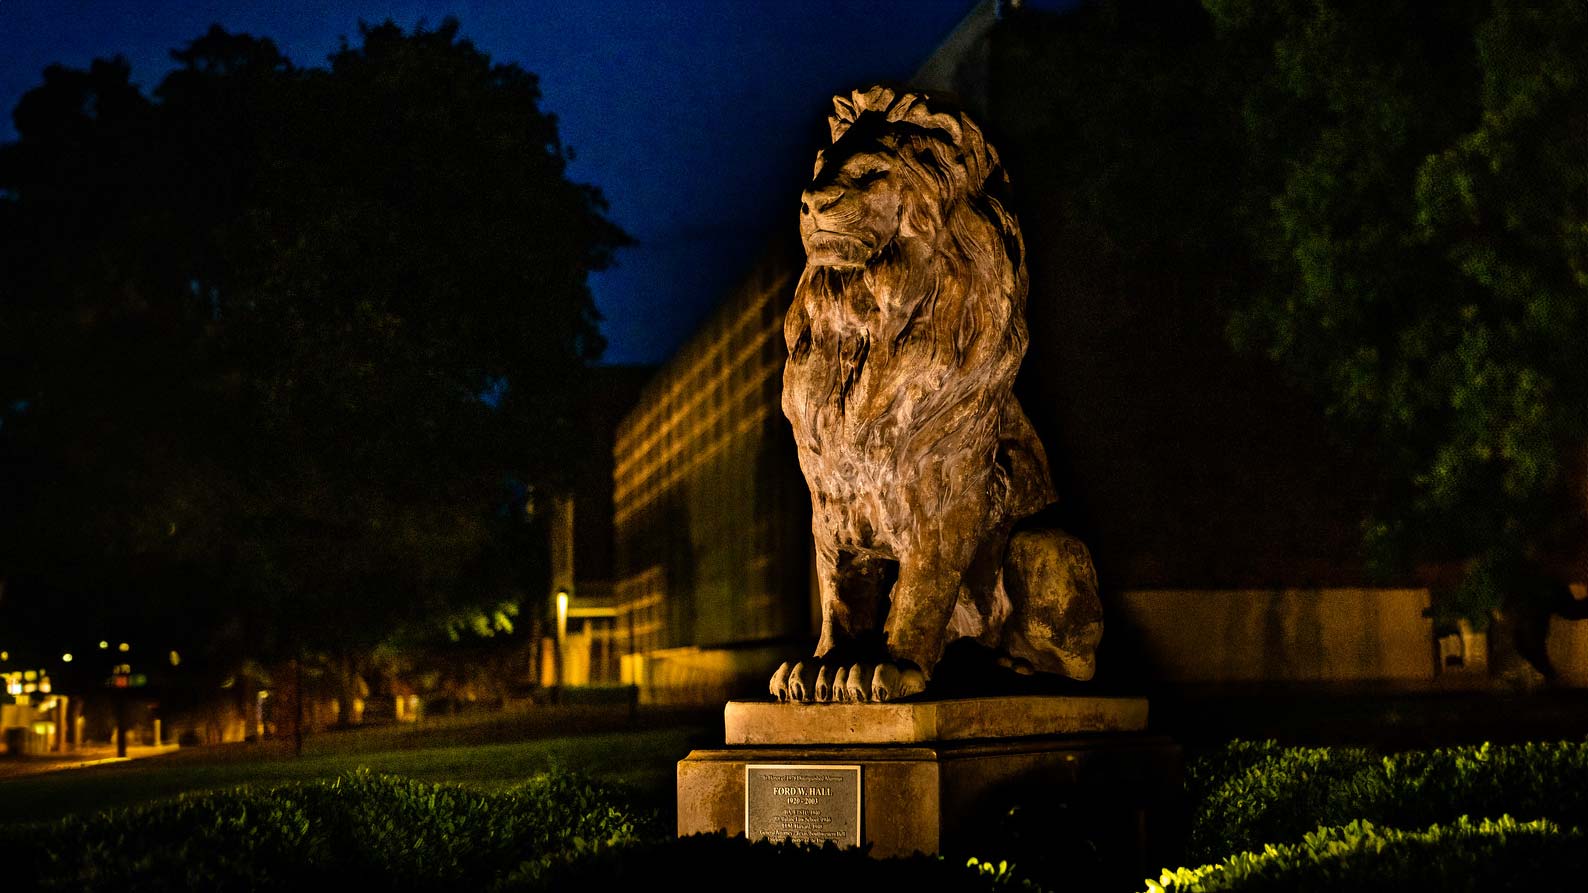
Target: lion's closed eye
x=869, y=177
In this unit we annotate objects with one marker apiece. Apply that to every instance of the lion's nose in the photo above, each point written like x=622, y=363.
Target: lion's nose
x=820, y=200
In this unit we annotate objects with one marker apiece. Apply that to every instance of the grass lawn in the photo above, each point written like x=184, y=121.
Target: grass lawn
x=490, y=751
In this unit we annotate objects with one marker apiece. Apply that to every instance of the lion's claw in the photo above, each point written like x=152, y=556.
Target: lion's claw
x=779, y=684
x=823, y=690
x=891, y=682
x=857, y=685
x=815, y=681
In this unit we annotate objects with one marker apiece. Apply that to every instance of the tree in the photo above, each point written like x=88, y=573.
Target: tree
x=284, y=351
x=1419, y=194
x=1389, y=201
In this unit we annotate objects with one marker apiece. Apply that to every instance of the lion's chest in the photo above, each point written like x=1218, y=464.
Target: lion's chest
x=864, y=432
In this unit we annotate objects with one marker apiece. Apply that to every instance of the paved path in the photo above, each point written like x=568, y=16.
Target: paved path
x=96, y=755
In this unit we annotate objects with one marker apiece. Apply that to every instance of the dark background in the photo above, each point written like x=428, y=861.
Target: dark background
x=696, y=118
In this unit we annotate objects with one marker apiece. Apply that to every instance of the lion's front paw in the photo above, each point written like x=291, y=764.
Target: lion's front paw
x=822, y=682
x=890, y=681
x=862, y=683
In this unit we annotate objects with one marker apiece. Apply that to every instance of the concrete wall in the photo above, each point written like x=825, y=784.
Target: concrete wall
x=1280, y=636
x=1568, y=645
x=1345, y=637
x=704, y=675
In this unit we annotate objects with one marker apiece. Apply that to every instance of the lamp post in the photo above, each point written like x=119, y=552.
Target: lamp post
x=562, y=635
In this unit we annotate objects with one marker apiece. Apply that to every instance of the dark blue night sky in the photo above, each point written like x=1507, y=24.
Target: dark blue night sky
x=695, y=118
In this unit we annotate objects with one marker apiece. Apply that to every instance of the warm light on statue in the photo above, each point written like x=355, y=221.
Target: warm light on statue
x=904, y=337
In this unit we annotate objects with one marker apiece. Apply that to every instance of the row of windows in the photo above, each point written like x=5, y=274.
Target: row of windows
x=709, y=436
x=641, y=608
x=754, y=327
x=721, y=387
x=693, y=393
x=699, y=408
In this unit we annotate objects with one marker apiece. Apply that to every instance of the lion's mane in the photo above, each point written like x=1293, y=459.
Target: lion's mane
x=919, y=348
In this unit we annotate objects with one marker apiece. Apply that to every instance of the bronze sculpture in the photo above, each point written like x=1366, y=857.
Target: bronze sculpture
x=905, y=334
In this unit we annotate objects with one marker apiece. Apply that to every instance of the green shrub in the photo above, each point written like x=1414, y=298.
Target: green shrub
x=703, y=863
x=1498, y=854
x=1247, y=794
x=374, y=831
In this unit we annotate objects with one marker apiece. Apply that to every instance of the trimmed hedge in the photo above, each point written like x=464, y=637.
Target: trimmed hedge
x=714, y=862
x=1258, y=801
x=1497, y=854
x=375, y=832
x=372, y=831
x=1247, y=795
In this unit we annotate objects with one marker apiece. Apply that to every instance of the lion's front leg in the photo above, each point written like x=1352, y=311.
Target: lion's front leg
x=916, y=629
x=849, y=584
x=931, y=573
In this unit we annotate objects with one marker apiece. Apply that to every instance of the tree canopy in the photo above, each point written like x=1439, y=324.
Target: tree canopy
x=285, y=352
x=1421, y=201
x=1388, y=200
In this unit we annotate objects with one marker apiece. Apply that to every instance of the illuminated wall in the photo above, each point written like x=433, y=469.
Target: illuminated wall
x=711, y=516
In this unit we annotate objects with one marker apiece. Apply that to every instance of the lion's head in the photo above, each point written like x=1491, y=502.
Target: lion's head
x=900, y=166
x=907, y=207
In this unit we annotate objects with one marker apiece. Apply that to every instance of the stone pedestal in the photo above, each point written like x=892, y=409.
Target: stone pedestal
x=943, y=776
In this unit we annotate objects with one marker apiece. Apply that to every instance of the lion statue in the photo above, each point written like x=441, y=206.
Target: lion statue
x=906, y=330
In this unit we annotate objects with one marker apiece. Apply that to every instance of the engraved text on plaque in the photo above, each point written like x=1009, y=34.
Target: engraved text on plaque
x=804, y=802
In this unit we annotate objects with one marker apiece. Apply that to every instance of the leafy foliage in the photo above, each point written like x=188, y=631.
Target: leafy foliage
x=561, y=831
x=377, y=831
x=1417, y=195
x=307, y=339
x=1490, y=854
x=1248, y=795
x=1387, y=200
x=716, y=862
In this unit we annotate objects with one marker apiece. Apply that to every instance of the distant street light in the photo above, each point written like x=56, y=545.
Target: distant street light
x=103, y=645
x=123, y=647
x=562, y=630
x=66, y=658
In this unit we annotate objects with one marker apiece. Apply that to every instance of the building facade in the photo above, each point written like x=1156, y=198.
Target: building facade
x=1220, y=508
x=585, y=645
x=711, y=517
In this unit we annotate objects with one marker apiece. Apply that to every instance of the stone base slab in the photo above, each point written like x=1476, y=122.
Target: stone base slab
x=915, y=722
x=1121, y=791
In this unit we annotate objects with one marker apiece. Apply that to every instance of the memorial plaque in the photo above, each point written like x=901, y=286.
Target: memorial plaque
x=805, y=802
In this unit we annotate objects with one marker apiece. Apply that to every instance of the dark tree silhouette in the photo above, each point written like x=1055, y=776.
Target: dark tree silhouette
x=285, y=352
